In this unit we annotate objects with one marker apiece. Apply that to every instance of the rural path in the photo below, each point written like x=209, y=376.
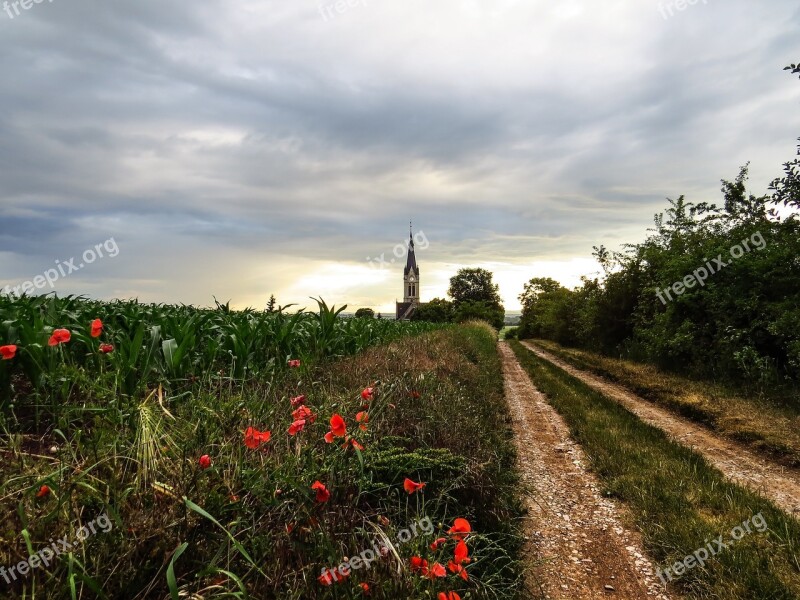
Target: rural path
x=576, y=540
x=771, y=480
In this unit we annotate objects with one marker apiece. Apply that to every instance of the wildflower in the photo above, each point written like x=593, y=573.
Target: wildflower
x=460, y=529
x=297, y=427
x=43, y=492
x=366, y=394
x=97, y=328
x=419, y=565
x=106, y=348
x=298, y=401
x=414, y=394
x=448, y=596
x=60, y=336
x=456, y=568
x=253, y=438
x=412, y=486
x=438, y=542
x=437, y=570
x=8, y=352
x=304, y=412
x=323, y=495
x=294, y=363
x=461, y=553
x=364, y=588
x=338, y=428
x=205, y=461
x=351, y=442
x=363, y=418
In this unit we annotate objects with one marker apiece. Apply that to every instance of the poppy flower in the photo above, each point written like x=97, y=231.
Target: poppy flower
x=366, y=394
x=294, y=363
x=461, y=554
x=297, y=427
x=304, y=412
x=437, y=570
x=338, y=428
x=253, y=438
x=419, y=565
x=205, y=461
x=456, y=568
x=460, y=529
x=323, y=495
x=448, y=596
x=364, y=588
x=412, y=486
x=438, y=542
x=97, y=328
x=363, y=418
x=298, y=401
x=106, y=348
x=353, y=444
x=8, y=352
x=43, y=491
x=60, y=336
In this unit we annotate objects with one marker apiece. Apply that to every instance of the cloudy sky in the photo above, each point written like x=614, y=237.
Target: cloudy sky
x=240, y=148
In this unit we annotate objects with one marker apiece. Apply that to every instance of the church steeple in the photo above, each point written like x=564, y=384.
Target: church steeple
x=411, y=272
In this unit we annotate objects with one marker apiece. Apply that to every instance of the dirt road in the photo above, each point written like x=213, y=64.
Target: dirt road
x=577, y=543
x=769, y=479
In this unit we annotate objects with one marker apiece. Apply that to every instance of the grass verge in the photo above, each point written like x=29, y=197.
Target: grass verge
x=768, y=425
x=250, y=524
x=677, y=500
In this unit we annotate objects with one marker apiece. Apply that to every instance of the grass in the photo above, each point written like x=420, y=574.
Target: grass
x=676, y=499
x=250, y=525
x=768, y=425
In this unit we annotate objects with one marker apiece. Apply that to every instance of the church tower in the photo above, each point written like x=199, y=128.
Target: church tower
x=411, y=273
x=410, y=283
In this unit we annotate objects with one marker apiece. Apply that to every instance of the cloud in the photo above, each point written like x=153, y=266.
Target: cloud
x=245, y=148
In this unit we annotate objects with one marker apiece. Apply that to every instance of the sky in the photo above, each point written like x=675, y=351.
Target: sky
x=183, y=152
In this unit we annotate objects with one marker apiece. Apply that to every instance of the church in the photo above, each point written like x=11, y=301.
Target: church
x=410, y=302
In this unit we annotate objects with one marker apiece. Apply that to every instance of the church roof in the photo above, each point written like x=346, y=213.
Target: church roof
x=411, y=260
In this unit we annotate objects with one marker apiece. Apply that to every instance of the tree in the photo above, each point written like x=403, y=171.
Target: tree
x=365, y=313
x=787, y=188
x=482, y=311
x=474, y=285
x=437, y=310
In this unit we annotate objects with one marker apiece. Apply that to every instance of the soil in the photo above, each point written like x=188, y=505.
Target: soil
x=578, y=544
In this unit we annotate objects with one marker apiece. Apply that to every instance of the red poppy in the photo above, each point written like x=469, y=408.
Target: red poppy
x=419, y=565
x=438, y=542
x=253, y=438
x=304, y=412
x=412, y=486
x=338, y=428
x=437, y=570
x=363, y=418
x=60, y=336
x=323, y=495
x=448, y=596
x=351, y=442
x=106, y=348
x=297, y=427
x=414, y=394
x=461, y=554
x=298, y=401
x=366, y=394
x=205, y=461
x=456, y=568
x=8, y=352
x=43, y=491
x=97, y=328
x=364, y=588
x=294, y=363
x=460, y=529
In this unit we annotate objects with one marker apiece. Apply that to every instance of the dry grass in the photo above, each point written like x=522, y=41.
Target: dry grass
x=765, y=424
